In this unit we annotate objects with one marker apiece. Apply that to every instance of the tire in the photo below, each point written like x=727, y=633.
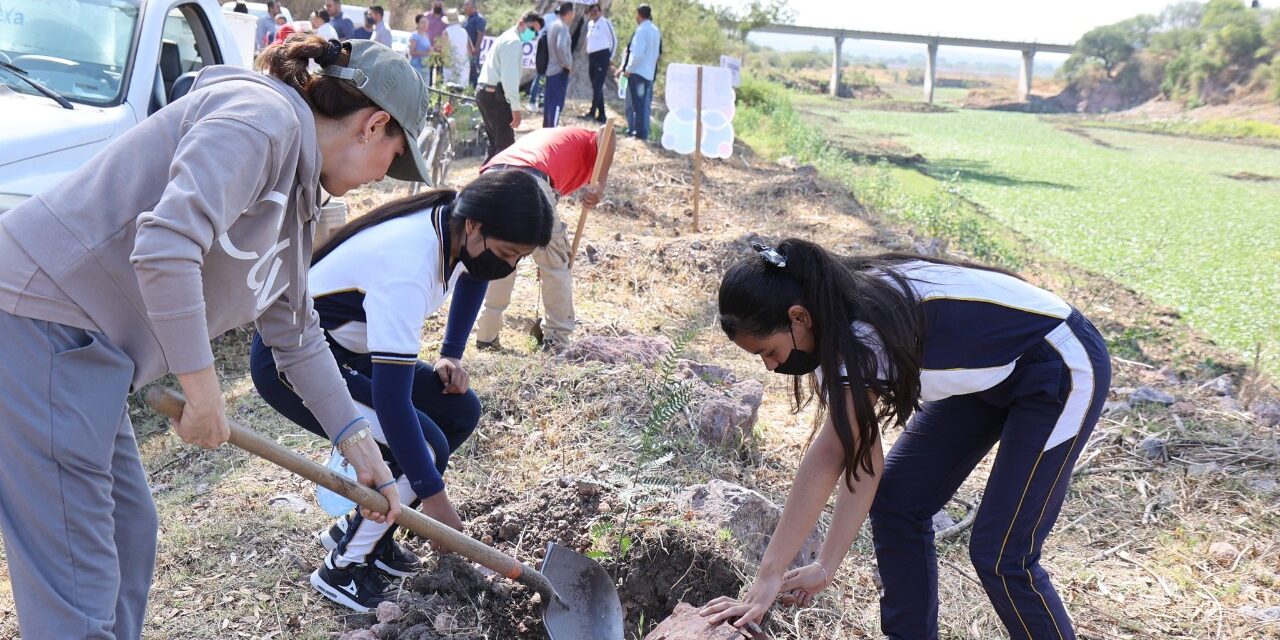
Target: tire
x=443, y=154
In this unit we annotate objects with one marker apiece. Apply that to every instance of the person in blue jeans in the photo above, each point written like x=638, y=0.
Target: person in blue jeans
x=641, y=68
x=372, y=285
x=972, y=356
x=559, y=64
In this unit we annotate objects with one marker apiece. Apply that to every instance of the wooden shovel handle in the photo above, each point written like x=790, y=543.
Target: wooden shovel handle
x=170, y=403
x=602, y=151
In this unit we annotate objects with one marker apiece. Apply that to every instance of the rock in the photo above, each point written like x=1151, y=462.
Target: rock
x=1149, y=394
x=445, y=622
x=1229, y=403
x=1263, y=485
x=382, y=630
x=709, y=373
x=586, y=488
x=592, y=254
x=807, y=170
x=290, y=502
x=1222, y=385
x=1115, y=407
x=788, y=162
x=603, y=507
x=730, y=418
x=685, y=624
x=1167, y=372
x=933, y=247
x=696, y=245
x=389, y=611
x=617, y=237
x=1267, y=413
x=358, y=634
x=748, y=516
x=292, y=559
x=942, y=521
x=1271, y=614
x=1153, y=448
x=1197, y=469
x=642, y=350
x=509, y=531
x=1224, y=553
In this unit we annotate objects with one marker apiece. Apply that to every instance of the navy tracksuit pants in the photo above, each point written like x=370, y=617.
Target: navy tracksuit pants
x=447, y=420
x=941, y=445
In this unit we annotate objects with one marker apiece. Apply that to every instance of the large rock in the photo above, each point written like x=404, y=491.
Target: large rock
x=1152, y=395
x=685, y=624
x=728, y=417
x=748, y=516
x=616, y=350
x=1267, y=413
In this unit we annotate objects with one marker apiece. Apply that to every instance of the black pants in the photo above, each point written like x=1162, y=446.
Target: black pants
x=497, y=119
x=598, y=67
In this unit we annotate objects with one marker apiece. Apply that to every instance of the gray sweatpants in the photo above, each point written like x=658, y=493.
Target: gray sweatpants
x=78, y=520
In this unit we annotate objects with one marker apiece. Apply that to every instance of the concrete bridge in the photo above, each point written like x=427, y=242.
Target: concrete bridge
x=1028, y=49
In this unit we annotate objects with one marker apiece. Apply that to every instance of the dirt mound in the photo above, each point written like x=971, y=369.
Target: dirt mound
x=668, y=566
x=453, y=599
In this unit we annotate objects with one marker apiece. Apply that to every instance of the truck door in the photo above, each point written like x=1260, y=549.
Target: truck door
x=187, y=46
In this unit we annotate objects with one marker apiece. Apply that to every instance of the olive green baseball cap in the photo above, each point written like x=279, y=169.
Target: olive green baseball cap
x=387, y=79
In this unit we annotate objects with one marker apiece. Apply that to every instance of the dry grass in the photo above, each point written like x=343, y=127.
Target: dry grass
x=1130, y=553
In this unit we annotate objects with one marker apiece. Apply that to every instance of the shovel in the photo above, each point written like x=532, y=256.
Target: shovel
x=579, y=599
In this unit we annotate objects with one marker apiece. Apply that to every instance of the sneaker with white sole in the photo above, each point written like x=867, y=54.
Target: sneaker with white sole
x=396, y=560
x=329, y=538
x=358, y=587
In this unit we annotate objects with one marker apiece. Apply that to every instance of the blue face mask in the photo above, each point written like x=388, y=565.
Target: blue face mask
x=528, y=35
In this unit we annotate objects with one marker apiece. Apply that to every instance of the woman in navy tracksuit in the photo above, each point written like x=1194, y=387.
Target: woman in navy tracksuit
x=373, y=284
x=986, y=358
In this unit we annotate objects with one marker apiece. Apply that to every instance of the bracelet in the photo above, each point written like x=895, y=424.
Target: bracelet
x=355, y=437
x=344, y=429
x=384, y=485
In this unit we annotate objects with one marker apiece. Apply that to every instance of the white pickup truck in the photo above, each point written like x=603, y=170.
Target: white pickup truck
x=75, y=74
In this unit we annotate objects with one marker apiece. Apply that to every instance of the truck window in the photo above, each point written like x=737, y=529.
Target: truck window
x=187, y=44
x=79, y=49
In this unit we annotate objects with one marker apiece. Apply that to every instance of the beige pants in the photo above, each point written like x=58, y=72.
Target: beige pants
x=557, y=293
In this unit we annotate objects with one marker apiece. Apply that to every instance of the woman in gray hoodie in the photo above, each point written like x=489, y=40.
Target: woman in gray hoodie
x=196, y=221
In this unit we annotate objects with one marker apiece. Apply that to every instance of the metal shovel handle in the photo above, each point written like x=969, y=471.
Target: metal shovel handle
x=170, y=403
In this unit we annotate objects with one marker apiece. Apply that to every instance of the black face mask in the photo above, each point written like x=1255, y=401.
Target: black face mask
x=799, y=362
x=486, y=265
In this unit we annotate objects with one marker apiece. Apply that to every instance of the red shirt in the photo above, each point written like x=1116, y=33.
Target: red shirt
x=566, y=154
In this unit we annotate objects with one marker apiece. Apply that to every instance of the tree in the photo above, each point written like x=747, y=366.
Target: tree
x=1183, y=15
x=1110, y=46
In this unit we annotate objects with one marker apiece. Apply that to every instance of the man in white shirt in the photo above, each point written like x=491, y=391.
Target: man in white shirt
x=498, y=89
x=602, y=41
x=320, y=25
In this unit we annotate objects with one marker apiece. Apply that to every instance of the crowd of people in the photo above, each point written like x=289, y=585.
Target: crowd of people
x=105, y=288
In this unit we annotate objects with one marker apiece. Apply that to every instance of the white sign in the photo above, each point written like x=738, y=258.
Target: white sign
x=530, y=49
x=734, y=66
x=679, y=128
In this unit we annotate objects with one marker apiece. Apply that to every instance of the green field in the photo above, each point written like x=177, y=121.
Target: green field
x=1159, y=213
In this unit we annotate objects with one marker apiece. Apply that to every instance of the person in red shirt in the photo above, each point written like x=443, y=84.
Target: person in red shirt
x=562, y=158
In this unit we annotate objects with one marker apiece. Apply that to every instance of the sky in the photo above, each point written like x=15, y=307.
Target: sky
x=1056, y=22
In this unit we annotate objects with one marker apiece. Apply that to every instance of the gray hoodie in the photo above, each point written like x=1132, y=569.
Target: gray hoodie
x=194, y=222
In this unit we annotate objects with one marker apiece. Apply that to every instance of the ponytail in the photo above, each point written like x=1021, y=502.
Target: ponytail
x=328, y=96
x=755, y=296
x=510, y=205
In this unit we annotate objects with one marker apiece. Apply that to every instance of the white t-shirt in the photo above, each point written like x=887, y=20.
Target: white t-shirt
x=375, y=290
x=327, y=32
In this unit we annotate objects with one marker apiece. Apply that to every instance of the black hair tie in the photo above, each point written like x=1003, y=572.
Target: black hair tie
x=331, y=54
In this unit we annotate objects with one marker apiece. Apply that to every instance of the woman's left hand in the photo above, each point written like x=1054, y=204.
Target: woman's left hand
x=452, y=374
x=799, y=586
x=750, y=609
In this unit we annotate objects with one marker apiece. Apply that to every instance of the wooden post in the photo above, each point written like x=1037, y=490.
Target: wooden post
x=602, y=150
x=697, y=152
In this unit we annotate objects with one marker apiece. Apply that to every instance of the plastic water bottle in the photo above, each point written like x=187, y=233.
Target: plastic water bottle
x=332, y=503
x=622, y=88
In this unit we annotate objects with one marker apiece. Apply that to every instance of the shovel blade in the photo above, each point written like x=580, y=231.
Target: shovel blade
x=589, y=607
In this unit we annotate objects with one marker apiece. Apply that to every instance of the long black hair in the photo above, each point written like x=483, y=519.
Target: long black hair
x=511, y=205
x=837, y=291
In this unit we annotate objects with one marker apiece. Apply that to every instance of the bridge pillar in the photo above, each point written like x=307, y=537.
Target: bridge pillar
x=834, y=88
x=930, y=71
x=1025, y=75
